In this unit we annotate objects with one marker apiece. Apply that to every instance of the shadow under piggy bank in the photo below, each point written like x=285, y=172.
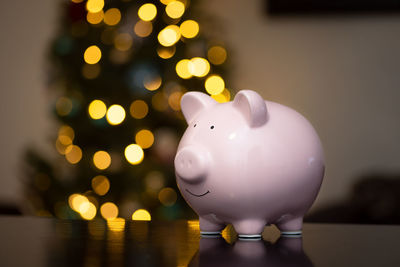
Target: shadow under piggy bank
x=217, y=252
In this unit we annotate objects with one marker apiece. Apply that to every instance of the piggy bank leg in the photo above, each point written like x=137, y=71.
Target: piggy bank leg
x=291, y=227
x=249, y=229
x=210, y=225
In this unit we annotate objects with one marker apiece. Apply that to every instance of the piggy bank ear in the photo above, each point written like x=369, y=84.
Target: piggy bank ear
x=252, y=106
x=194, y=102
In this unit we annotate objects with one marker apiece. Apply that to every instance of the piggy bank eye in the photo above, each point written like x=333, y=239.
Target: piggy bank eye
x=212, y=127
x=194, y=125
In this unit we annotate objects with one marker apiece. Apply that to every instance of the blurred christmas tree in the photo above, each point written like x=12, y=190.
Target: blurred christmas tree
x=118, y=70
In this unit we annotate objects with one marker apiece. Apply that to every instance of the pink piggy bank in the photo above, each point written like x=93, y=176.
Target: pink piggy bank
x=247, y=162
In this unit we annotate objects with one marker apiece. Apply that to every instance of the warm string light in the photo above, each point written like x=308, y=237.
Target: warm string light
x=115, y=114
x=198, y=67
x=189, y=29
x=112, y=16
x=94, y=5
x=102, y=160
x=169, y=35
x=83, y=206
x=134, y=154
x=147, y=12
x=214, y=84
x=100, y=185
x=175, y=9
x=92, y=54
x=97, y=109
x=109, y=210
x=141, y=215
x=143, y=28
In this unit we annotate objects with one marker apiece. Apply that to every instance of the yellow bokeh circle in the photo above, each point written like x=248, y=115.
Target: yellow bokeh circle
x=144, y=138
x=199, y=67
x=139, y=109
x=134, y=154
x=73, y=154
x=214, y=85
x=100, y=185
x=94, y=5
x=141, y=215
x=95, y=18
x=97, y=109
x=175, y=9
x=109, y=210
x=92, y=54
x=147, y=12
x=88, y=211
x=169, y=35
x=102, y=160
x=189, y=29
x=115, y=114
x=217, y=55
x=183, y=69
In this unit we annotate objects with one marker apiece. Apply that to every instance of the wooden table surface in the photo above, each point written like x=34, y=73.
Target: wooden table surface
x=30, y=241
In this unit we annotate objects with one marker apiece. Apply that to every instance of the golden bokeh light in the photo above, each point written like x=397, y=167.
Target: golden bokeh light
x=88, y=210
x=61, y=148
x=223, y=97
x=65, y=137
x=141, y=215
x=143, y=28
x=199, y=67
x=75, y=201
x=152, y=83
x=115, y=114
x=214, y=85
x=217, y=55
x=97, y=109
x=109, y=210
x=123, y=41
x=189, y=29
x=182, y=69
x=167, y=196
x=116, y=224
x=144, y=138
x=175, y=9
x=77, y=1
x=66, y=130
x=102, y=160
x=166, y=52
x=147, y=12
x=169, y=35
x=95, y=18
x=63, y=106
x=100, y=185
x=174, y=100
x=94, y=5
x=139, y=109
x=91, y=71
x=92, y=54
x=166, y=2
x=112, y=16
x=73, y=154
x=65, y=140
x=134, y=154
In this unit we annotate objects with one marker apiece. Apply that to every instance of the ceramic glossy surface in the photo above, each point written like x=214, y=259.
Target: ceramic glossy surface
x=248, y=162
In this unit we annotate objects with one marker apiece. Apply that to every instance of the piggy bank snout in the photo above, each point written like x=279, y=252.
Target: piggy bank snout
x=191, y=164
